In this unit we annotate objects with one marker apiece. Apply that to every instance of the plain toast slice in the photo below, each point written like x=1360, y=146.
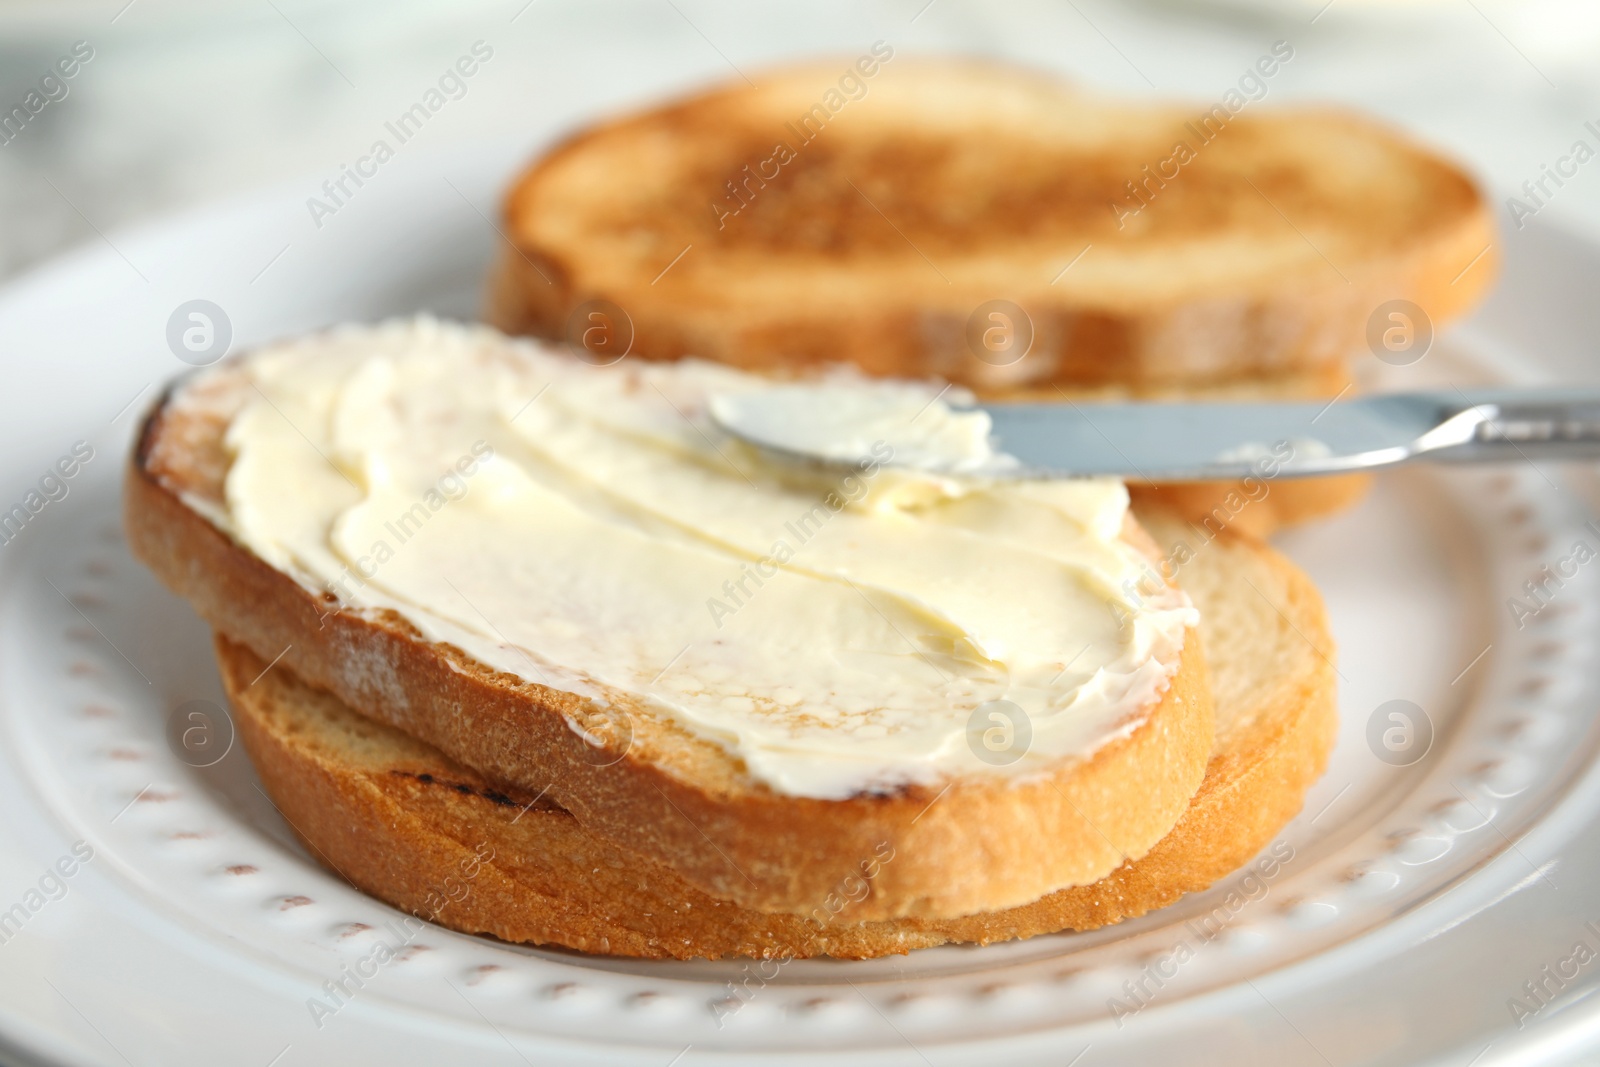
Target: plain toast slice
x=1149, y=247
x=996, y=227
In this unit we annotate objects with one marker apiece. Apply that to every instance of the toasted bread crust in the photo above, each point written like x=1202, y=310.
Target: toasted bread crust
x=970, y=847
x=1262, y=259
x=402, y=821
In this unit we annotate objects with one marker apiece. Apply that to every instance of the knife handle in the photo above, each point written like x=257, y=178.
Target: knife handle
x=1544, y=424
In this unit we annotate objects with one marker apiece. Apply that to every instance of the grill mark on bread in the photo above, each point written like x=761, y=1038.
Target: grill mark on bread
x=493, y=796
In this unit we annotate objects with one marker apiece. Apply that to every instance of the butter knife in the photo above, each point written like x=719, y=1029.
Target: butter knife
x=1182, y=442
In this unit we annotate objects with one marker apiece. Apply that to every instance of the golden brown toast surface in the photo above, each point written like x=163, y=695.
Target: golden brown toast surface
x=1149, y=246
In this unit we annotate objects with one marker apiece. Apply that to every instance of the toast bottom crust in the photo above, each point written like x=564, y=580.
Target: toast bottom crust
x=401, y=821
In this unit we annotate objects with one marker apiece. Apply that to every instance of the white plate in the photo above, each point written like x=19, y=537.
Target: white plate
x=1417, y=903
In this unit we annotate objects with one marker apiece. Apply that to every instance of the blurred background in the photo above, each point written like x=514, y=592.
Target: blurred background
x=180, y=102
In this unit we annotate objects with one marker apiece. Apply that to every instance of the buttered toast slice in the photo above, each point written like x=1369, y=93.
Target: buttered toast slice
x=992, y=226
x=404, y=822
x=556, y=575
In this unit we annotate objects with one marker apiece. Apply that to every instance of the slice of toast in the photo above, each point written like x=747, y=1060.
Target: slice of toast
x=402, y=821
x=992, y=226
x=896, y=219
x=672, y=796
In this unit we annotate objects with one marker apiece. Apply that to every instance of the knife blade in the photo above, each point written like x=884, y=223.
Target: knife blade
x=1183, y=442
